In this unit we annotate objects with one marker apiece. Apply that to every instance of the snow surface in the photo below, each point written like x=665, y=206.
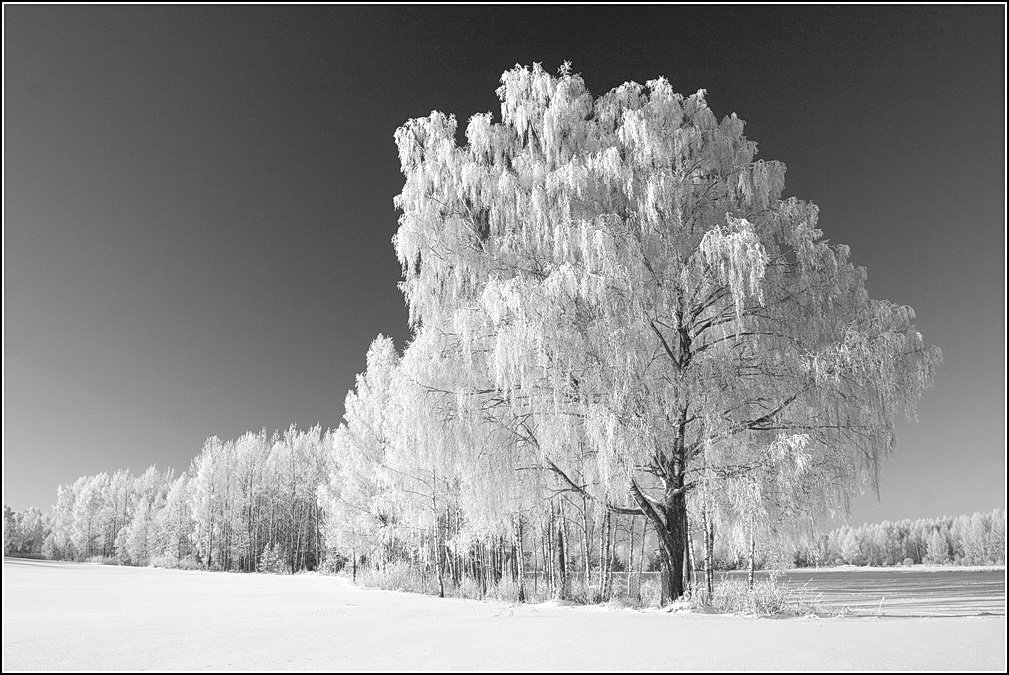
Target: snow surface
x=66, y=616
x=898, y=591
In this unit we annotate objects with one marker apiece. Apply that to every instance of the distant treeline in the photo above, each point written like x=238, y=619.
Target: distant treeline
x=978, y=539
x=240, y=503
x=264, y=503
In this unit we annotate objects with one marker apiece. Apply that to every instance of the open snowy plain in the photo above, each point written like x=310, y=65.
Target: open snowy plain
x=66, y=616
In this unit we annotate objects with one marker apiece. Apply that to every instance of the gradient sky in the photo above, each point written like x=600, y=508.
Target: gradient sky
x=198, y=203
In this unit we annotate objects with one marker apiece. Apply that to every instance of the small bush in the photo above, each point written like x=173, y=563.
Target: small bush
x=767, y=597
x=28, y=555
x=334, y=563
x=505, y=590
x=623, y=602
x=396, y=576
x=401, y=576
x=172, y=562
x=271, y=562
x=650, y=593
x=908, y=562
x=102, y=560
x=468, y=588
x=540, y=593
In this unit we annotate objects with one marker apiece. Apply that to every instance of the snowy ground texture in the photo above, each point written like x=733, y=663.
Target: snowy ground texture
x=65, y=616
x=899, y=591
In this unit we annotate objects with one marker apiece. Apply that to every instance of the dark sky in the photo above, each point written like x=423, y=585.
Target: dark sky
x=198, y=203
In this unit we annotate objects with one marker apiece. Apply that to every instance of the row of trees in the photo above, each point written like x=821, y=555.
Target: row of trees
x=978, y=539
x=113, y=515
x=25, y=532
x=620, y=331
x=624, y=544
x=237, y=499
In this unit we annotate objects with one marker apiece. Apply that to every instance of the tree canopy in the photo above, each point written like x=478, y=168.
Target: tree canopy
x=636, y=303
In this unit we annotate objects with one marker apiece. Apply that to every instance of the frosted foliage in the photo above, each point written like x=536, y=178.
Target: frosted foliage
x=738, y=256
x=361, y=445
x=612, y=289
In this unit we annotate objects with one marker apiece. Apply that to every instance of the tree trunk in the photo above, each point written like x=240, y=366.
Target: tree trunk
x=630, y=554
x=709, y=546
x=602, y=552
x=641, y=556
x=500, y=559
x=450, y=562
x=440, y=547
x=671, y=549
x=318, y=538
x=669, y=521
x=299, y=550
x=586, y=562
x=561, y=589
x=549, y=559
x=563, y=554
x=610, y=536
x=692, y=567
x=536, y=567
x=482, y=552
x=520, y=563
x=753, y=550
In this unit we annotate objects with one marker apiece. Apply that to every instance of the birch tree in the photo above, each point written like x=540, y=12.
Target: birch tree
x=627, y=275
x=10, y=529
x=91, y=515
x=205, y=499
x=176, y=520
x=359, y=510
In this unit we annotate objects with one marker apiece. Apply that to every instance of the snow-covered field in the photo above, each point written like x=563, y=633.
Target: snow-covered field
x=900, y=591
x=65, y=616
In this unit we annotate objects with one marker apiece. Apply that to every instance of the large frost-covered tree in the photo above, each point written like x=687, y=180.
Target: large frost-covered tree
x=652, y=315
